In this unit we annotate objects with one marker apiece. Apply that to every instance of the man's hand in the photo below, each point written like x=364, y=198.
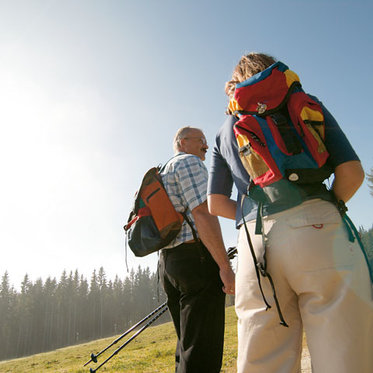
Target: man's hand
x=228, y=278
x=209, y=231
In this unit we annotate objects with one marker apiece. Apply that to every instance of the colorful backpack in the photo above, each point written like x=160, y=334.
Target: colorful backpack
x=280, y=132
x=153, y=221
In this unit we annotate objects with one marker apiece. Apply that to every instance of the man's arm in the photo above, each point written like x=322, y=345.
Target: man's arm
x=348, y=177
x=221, y=205
x=208, y=228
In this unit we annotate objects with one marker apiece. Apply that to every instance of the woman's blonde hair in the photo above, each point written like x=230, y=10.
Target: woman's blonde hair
x=249, y=65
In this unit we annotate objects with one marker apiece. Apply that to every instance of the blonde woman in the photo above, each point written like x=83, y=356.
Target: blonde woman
x=320, y=277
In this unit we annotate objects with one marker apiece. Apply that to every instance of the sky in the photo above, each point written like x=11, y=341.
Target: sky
x=92, y=93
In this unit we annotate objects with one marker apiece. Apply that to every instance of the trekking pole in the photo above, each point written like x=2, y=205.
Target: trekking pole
x=161, y=312
x=95, y=356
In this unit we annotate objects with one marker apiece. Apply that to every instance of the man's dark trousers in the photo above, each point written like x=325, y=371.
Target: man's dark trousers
x=196, y=302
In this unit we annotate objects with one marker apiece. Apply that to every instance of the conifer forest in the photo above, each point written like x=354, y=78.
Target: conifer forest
x=43, y=316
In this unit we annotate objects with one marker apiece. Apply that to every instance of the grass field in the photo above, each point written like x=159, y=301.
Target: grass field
x=152, y=351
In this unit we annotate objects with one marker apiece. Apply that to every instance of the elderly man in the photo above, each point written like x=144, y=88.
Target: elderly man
x=194, y=267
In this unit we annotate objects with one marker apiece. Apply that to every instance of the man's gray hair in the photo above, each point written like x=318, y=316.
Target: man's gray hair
x=182, y=133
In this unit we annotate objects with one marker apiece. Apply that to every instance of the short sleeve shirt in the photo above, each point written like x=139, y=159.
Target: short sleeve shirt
x=185, y=180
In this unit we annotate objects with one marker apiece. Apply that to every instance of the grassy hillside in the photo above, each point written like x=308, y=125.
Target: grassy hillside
x=152, y=351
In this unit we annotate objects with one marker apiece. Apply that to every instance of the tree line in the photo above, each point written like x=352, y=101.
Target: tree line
x=367, y=240
x=43, y=316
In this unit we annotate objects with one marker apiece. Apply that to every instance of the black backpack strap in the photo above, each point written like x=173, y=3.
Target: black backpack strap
x=191, y=225
x=185, y=216
x=161, y=168
x=291, y=141
x=260, y=269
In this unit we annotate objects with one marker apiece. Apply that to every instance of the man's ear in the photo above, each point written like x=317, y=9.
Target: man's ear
x=182, y=145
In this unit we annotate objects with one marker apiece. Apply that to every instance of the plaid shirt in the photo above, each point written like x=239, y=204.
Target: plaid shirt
x=185, y=180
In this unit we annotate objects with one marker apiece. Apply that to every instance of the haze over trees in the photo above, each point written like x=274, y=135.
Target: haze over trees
x=47, y=315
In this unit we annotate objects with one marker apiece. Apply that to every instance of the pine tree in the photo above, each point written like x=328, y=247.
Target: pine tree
x=367, y=239
x=94, y=307
x=83, y=328
x=49, y=335
x=370, y=180
x=6, y=308
x=37, y=301
x=24, y=318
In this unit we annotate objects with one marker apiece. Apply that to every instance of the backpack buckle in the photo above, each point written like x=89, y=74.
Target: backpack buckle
x=261, y=108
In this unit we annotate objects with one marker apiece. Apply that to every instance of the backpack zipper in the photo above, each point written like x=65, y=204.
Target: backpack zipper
x=253, y=135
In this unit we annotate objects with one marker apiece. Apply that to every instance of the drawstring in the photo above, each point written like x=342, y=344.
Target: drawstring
x=260, y=268
x=256, y=266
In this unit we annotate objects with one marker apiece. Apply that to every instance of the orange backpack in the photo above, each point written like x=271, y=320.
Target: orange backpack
x=153, y=221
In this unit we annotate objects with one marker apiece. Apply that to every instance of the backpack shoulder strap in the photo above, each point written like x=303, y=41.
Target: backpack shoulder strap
x=184, y=213
x=190, y=224
x=161, y=168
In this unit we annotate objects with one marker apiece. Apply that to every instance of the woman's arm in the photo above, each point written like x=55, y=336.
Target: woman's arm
x=348, y=178
x=221, y=205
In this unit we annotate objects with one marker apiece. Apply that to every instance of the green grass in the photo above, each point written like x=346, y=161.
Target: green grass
x=152, y=351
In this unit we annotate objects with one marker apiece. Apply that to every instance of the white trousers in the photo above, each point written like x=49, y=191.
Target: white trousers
x=323, y=285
